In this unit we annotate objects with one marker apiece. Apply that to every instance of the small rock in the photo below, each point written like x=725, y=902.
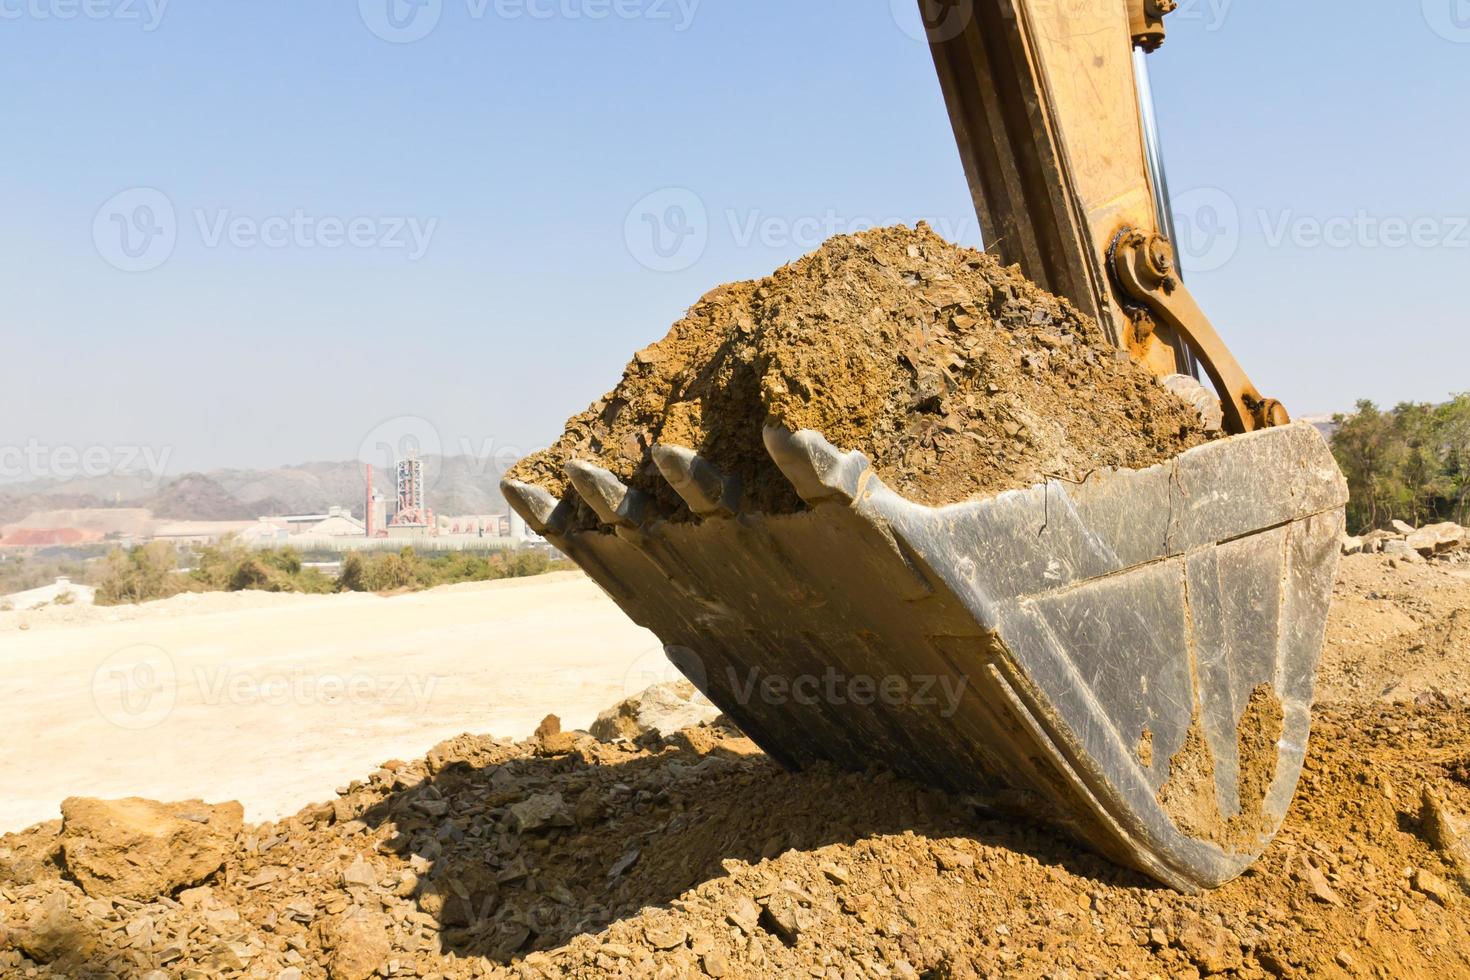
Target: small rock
x=1209, y=947
x=360, y=873
x=1442, y=827
x=557, y=743
x=1437, y=538
x=785, y=917
x=1402, y=527
x=660, y=710
x=624, y=863
x=359, y=945
x=1400, y=549
x=952, y=860
x=1317, y=884
x=141, y=849
x=1406, y=919
x=54, y=932
x=715, y=963
x=542, y=811
x=665, y=935
x=265, y=876
x=835, y=873
x=1433, y=886
x=744, y=914
x=193, y=898
x=550, y=725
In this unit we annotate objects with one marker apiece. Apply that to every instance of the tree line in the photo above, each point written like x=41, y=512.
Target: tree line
x=151, y=571
x=1410, y=463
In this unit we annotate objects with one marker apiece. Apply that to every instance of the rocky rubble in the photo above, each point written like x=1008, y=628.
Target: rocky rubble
x=1397, y=630
x=693, y=855
x=1413, y=544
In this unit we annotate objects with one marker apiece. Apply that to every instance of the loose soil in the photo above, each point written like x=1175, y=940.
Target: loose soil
x=954, y=375
x=1399, y=630
x=696, y=856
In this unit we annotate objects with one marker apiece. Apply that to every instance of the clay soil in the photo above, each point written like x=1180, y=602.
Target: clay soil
x=954, y=375
x=696, y=856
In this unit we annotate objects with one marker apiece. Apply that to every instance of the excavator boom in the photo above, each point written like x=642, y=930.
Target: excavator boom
x=1044, y=97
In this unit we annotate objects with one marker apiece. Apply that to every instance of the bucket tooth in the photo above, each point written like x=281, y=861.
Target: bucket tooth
x=817, y=469
x=613, y=501
x=707, y=491
x=542, y=512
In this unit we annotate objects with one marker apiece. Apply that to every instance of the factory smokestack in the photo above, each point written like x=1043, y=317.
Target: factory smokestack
x=368, y=510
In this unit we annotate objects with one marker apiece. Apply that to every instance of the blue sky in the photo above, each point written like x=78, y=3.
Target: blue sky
x=442, y=236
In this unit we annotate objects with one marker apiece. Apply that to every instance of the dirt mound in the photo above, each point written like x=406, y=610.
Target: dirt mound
x=1398, y=630
x=955, y=376
x=697, y=856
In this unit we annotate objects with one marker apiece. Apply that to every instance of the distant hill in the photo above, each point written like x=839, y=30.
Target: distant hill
x=457, y=485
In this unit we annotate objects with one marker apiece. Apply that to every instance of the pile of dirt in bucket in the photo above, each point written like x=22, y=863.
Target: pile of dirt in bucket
x=955, y=376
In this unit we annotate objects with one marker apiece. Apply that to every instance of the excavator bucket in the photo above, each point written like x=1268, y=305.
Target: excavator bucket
x=1134, y=655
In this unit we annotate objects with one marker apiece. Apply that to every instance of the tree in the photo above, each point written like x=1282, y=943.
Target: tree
x=1410, y=464
x=141, y=574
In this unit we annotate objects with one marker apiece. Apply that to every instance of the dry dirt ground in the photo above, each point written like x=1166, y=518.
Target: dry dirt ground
x=273, y=699
x=560, y=856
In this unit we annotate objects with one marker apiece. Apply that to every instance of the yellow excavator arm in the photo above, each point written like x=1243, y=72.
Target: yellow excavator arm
x=1050, y=108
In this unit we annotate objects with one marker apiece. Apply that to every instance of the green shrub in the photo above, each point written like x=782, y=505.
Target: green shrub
x=141, y=574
